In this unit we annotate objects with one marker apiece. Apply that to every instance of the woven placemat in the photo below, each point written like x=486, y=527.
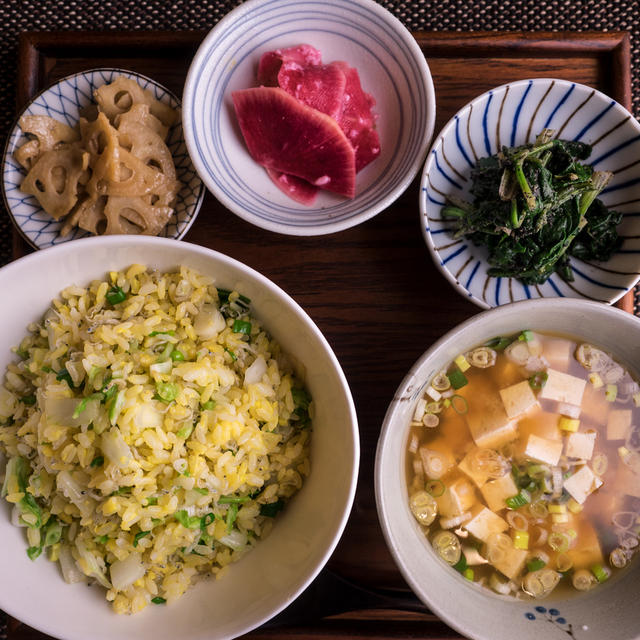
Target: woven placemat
x=442, y=15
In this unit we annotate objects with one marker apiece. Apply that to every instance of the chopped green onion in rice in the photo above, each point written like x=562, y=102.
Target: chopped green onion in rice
x=153, y=431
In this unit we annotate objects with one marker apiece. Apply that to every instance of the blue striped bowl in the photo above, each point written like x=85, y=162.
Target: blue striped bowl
x=64, y=101
x=391, y=66
x=514, y=114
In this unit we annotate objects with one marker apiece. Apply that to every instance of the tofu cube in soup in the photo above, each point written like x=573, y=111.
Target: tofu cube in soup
x=569, y=410
x=594, y=405
x=459, y=496
x=618, y=424
x=477, y=475
x=589, y=551
x=628, y=480
x=543, y=450
x=518, y=399
x=489, y=424
x=543, y=424
x=558, y=353
x=484, y=522
x=512, y=562
x=563, y=387
x=580, y=445
x=497, y=491
x=582, y=484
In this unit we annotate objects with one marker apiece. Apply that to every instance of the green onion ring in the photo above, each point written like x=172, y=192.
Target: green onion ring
x=459, y=404
x=559, y=542
x=435, y=488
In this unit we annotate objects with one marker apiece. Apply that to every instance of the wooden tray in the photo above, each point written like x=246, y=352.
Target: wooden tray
x=373, y=290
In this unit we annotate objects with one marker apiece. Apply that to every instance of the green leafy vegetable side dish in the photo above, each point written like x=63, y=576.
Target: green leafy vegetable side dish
x=536, y=205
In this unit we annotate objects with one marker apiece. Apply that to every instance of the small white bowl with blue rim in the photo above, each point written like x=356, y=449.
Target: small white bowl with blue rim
x=360, y=32
x=513, y=114
x=64, y=101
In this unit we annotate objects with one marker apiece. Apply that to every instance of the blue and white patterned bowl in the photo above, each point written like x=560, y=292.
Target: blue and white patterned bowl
x=64, y=101
x=391, y=66
x=514, y=114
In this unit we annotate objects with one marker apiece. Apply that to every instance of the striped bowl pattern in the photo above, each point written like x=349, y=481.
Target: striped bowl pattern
x=391, y=66
x=64, y=101
x=514, y=114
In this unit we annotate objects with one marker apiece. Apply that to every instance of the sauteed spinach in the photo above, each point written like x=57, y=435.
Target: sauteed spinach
x=534, y=206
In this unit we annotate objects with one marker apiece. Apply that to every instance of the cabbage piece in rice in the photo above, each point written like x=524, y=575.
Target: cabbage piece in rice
x=153, y=431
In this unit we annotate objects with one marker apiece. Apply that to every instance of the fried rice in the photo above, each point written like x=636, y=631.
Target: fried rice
x=152, y=431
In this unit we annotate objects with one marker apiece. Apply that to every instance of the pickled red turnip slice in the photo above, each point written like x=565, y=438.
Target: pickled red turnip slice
x=271, y=61
x=285, y=135
x=332, y=89
x=321, y=86
x=357, y=120
x=296, y=188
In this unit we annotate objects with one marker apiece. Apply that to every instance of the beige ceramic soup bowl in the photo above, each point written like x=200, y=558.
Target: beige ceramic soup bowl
x=610, y=611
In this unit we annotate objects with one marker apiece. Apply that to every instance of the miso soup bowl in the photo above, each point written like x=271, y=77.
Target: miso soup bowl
x=609, y=611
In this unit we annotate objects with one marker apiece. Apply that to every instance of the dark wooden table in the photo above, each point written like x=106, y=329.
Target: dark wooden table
x=373, y=290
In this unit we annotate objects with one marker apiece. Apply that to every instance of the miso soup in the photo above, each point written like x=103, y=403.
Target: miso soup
x=523, y=464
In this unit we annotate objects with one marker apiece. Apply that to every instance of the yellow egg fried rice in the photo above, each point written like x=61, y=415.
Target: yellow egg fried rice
x=152, y=431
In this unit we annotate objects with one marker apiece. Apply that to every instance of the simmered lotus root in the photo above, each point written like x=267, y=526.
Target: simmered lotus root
x=133, y=215
x=148, y=146
x=54, y=179
x=101, y=140
x=119, y=96
x=88, y=215
x=98, y=135
x=135, y=178
x=139, y=114
x=48, y=134
x=113, y=174
x=28, y=153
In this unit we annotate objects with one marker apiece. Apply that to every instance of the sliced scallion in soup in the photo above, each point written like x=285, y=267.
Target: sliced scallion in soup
x=523, y=464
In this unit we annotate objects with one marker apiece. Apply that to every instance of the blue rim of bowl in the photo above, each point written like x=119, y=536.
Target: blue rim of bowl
x=459, y=286
x=368, y=208
x=194, y=183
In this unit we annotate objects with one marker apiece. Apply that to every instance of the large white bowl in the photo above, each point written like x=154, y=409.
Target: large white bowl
x=611, y=610
x=273, y=574
x=360, y=32
x=514, y=114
